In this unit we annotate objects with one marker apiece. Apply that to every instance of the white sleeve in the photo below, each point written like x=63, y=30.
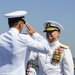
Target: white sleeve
x=35, y=72
x=39, y=38
x=38, y=44
x=33, y=55
x=68, y=65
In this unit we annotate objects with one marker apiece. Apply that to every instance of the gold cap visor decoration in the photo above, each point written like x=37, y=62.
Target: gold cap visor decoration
x=51, y=29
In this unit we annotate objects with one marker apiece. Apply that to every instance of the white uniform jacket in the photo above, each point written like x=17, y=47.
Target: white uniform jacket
x=64, y=67
x=15, y=49
x=31, y=71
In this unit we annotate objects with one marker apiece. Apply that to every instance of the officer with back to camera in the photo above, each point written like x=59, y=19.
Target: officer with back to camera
x=59, y=61
x=15, y=47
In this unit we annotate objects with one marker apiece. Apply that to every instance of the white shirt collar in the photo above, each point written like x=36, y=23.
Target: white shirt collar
x=14, y=30
x=55, y=43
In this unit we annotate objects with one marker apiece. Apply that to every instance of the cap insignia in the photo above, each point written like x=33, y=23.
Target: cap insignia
x=48, y=25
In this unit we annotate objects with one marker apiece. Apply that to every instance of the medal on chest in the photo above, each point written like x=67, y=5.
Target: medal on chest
x=57, y=56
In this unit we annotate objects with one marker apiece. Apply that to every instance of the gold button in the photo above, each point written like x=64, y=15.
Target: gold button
x=48, y=54
x=46, y=62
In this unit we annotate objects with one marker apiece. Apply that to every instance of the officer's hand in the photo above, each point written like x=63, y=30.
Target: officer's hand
x=30, y=29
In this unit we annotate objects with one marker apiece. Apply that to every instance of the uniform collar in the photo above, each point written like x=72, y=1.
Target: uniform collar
x=14, y=30
x=54, y=44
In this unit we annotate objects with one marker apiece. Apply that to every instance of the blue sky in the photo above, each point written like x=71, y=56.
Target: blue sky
x=39, y=11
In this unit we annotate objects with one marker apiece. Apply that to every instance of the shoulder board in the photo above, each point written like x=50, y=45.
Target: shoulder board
x=64, y=46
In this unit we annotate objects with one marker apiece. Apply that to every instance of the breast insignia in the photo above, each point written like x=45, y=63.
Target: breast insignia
x=64, y=46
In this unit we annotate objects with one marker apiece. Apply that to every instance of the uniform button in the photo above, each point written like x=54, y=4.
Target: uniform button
x=48, y=54
x=46, y=62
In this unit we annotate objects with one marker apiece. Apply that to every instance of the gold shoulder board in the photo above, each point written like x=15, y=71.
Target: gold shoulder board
x=64, y=46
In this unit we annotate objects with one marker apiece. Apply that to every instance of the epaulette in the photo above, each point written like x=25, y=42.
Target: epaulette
x=64, y=46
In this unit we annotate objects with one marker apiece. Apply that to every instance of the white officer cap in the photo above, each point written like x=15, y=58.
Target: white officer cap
x=52, y=26
x=16, y=16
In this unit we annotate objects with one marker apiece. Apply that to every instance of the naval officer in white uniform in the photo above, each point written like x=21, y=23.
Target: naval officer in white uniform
x=59, y=61
x=30, y=70
x=15, y=47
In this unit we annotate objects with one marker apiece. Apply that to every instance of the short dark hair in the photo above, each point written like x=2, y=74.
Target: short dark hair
x=28, y=63
x=14, y=21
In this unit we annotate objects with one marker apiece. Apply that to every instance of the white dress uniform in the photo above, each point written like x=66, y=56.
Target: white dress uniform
x=64, y=67
x=31, y=71
x=15, y=49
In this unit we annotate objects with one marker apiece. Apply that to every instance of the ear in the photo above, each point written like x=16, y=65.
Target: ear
x=19, y=25
x=59, y=33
